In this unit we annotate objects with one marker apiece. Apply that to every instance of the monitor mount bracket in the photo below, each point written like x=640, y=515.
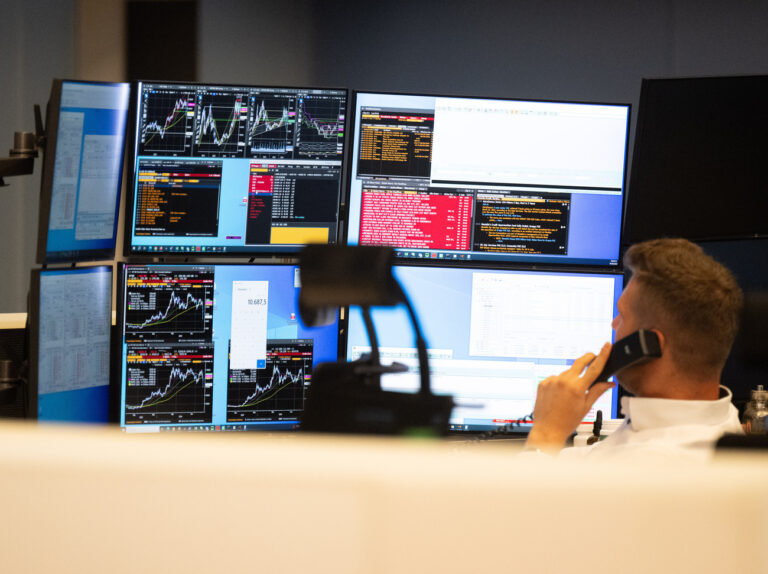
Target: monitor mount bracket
x=21, y=160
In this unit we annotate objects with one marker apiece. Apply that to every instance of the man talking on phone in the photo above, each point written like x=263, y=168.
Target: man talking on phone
x=679, y=409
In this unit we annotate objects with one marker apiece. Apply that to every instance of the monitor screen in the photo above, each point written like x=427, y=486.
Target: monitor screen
x=493, y=335
x=82, y=171
x=459, y=179
x=698, y=168
x=70, y=323
x=215, y=347
x=234, y=169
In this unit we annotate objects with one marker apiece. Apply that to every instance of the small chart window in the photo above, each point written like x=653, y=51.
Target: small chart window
x=169, y=384
x=166, y=122
x=320, y=126
x=276, y=391
x=163, y=303
x=220, y=126
x=271, y=125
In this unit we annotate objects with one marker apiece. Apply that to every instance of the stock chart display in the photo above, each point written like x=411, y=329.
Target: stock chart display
x=194, y=151
x=215, y=347
x=169, y=359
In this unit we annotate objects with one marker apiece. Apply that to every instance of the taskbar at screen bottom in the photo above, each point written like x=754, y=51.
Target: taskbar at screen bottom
x=213, y=249
x=484, y=425
x=449, y=256
x=287, y=425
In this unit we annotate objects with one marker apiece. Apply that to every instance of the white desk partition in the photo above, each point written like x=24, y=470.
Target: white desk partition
x=88, y=500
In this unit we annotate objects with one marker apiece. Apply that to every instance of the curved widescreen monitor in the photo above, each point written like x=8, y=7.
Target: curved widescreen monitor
x=238, y=170
x=492, y=336
x=82, y=171
x=460, y=179
x=70, y=323
x=215, y=347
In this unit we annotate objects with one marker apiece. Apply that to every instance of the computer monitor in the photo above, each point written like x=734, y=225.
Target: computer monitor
x=82, y=171
x=70, y=319
x=459, y=179
x=234, y=170
x=493, y=335
x=698, y=168
x=215, y=347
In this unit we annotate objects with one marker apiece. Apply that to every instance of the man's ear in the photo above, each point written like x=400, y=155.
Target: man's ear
x=662, y=341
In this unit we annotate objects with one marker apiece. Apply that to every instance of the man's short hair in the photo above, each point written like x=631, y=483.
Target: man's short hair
x=689, y=297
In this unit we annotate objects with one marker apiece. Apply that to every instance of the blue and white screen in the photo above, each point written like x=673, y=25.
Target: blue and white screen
x=447, y=178
x=235, y=169
x=88, y=167
x=216, y=347
x=75, y=317
x=492, y=336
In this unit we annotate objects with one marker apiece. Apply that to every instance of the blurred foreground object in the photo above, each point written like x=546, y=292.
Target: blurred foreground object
x=347, y=396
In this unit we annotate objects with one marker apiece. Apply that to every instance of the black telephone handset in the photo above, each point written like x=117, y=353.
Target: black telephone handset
x=633, y=349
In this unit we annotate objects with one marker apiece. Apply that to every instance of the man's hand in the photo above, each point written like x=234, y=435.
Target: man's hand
x=563, y=400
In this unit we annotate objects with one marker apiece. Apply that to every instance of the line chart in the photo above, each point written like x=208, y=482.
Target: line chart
x=271, y=122
x=220, y=124
x=178, y=380
x=169, y=387
x=182, y=313
x=320, y=126
x=166, y=122
x=279, y=380
x=275, y=391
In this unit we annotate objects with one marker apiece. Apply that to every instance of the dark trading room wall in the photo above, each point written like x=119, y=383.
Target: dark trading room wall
x=161, y=40
x=590, y=50
x=595, y=50
x=566, y=49
x=269, y=42
x=561, y=50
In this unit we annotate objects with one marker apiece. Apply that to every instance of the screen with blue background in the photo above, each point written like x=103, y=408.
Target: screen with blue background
x=74, y=318
x=85, y=186
x=460, y=179
x=216, y=347
x=493, y=335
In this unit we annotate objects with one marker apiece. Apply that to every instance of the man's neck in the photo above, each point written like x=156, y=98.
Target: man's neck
x=661, y=380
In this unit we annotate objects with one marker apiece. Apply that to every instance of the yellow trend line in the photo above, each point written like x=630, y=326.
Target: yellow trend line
x=167, y=320
x=264, y=398
x=182, y=114
x=168, y=398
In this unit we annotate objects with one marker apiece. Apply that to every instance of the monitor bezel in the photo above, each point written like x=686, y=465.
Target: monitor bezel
x=53, y=109
x=33, y=332
x=132, y=144
x=353, y=130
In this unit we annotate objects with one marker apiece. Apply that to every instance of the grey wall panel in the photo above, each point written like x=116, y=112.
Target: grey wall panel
x=37, y=44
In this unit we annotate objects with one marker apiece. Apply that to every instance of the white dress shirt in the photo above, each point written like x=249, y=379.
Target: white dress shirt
x=666, y=428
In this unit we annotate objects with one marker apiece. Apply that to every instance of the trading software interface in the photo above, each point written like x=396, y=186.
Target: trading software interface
x=74, y=322
x=235, y=169
x=447, y=178
x=492, y=336
x=216, y=347
x=87, y=170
